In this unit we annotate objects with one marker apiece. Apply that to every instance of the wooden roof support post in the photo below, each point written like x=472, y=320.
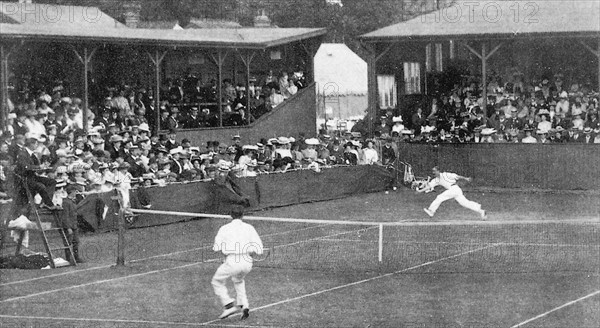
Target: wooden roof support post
x=5, y=53
x=85, y=60
x=595, y=52
x=310, y=46
x=372, y=58
x=484, y=56
x=247, y=58
x=4, y=88
x=157, y=59
x=371, y=85
x=219, y=59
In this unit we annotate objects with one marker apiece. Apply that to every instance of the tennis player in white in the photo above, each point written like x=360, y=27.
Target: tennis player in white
x=238, y=241
x=448, y=180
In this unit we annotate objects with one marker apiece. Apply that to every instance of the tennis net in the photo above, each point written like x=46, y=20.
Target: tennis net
x=440, y=247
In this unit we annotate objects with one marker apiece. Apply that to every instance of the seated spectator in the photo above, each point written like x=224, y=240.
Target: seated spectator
x=544, y=125
x=310, y=154
x=577, y=122
x=587, y=136
x=528, y=137
x=370, y=154
x=350, y=153
x=398, y=126
x=275, y=98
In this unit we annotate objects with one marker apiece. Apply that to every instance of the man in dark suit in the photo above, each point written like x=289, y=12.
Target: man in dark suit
x=27, y=164
x=176, y=166
x=114, y=147
x=192, y=121
x=418, y=120
x=172, y=122
x=588, y=138
x=136, y=167
x=574, y=136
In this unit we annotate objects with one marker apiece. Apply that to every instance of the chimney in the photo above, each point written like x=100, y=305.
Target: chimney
x=131, y=13
x=262, y=20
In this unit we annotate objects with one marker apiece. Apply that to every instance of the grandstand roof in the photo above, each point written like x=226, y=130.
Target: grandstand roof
x=255, y=38
x=493, y=19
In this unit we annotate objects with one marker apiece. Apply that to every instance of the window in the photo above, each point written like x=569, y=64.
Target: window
x=452, y=50
x=412, y=78
x=433, y=58
x=428, y=58
x=438, y=57
x=386, y=85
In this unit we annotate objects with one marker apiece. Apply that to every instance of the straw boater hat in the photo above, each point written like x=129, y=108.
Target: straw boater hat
x=397, y=119
x=312, y=141
x=224, y=167
x=250, y=147
x=488, y=131
x=115, y=138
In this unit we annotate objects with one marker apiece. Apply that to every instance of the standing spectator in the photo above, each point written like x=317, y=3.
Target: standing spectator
x=68, y=219
x=418, y=120
x=388, y=155
x=121, y=103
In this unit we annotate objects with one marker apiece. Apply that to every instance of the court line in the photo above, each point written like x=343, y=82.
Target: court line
x=556, y=309
x=157, y=271
x=360, y=281
x=148, y=322
x=143, y=259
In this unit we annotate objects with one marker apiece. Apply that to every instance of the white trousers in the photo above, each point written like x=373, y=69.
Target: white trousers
x=456, y=193
x=235, y=267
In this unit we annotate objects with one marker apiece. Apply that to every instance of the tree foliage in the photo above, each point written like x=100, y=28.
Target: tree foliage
x=344, y=23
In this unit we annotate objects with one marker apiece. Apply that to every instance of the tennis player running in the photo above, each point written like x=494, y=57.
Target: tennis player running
x=238, y=241
x=448, y=180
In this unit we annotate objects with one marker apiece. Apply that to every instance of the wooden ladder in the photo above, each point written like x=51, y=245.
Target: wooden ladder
x=67, y=247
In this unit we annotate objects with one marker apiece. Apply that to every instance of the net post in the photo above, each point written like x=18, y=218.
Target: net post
x=121, y=239
x=380, y=254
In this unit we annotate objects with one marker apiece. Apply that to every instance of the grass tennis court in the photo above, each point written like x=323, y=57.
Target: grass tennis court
x=322, y=275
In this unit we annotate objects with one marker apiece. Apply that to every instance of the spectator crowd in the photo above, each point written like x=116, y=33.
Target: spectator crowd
x=186, y=102
x=536, y=112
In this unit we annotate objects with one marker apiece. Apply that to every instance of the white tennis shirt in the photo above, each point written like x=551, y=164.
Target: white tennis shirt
x=445, y=180
x=239, y=238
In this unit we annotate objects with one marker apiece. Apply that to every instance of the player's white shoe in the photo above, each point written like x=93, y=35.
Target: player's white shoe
x=430, y=213
x=232, y=310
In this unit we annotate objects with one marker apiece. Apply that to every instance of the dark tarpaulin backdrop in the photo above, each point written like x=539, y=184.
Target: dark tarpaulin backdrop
x=264, y=191
x=507, y=165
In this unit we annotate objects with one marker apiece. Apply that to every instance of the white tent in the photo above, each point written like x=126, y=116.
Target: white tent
x=341, y=77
